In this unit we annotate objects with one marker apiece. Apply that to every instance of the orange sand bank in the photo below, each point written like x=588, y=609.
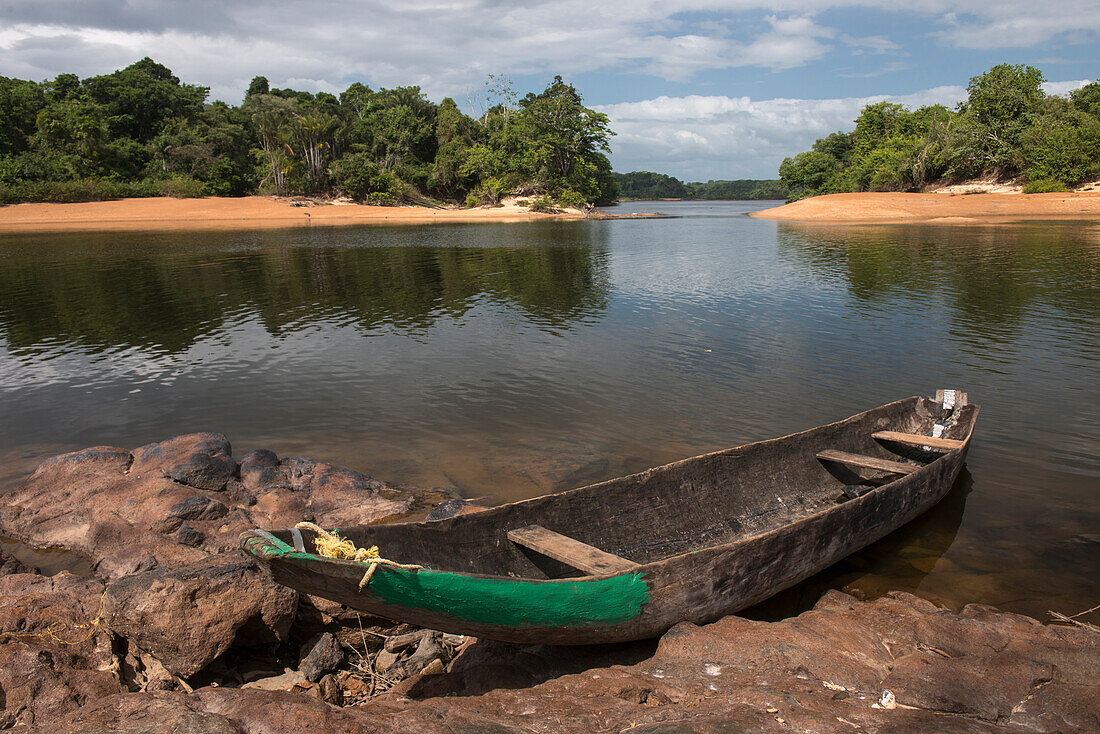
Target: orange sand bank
x=886, y=208
x=236, y=213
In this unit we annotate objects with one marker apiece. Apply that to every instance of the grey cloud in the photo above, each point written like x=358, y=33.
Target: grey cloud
x=203, y=16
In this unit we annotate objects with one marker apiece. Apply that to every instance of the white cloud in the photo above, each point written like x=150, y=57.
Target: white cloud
x=449, y=46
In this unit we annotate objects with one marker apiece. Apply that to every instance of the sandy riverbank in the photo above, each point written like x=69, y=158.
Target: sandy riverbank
x=237, y=213
x=947, y=208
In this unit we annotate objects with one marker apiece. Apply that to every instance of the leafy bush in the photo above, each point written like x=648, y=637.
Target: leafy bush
x=71, y=192
x=1044, y=186
x=571, y=198
x=489, y=192
x=181, y=188
x=1062, y=147
x=542, y=204
x=361, y=178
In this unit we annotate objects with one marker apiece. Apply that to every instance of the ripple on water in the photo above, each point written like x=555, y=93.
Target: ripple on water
x=511, y=360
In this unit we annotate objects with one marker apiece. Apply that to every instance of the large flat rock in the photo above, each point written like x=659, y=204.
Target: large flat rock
x=177, y=501
x=821, y=672
x=52, y=659
x=162, y=523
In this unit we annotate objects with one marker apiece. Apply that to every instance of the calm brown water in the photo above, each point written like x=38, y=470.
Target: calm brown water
x=506, y=361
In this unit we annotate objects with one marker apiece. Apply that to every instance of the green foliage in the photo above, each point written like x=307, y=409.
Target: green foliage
x=648, y=185
x=746, y=188
x=358, y=176
x=542, y=204
x=141, y=124
x=69, y=192
x=181, y=187
x=487, y=193
x=1007, y=126
x=1062, y=145
x=1043, y=186
x=571, y=198
x=1087, y=99
x=258, y=85
x=807, y=173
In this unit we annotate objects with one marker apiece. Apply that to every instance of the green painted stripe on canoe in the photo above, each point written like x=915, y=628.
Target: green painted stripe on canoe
x=514, y=602
x=491, y=600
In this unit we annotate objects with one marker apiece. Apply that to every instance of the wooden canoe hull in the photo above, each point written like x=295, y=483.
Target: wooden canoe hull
x=699, y=586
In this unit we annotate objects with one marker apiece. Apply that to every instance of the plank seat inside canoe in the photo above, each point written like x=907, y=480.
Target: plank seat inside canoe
x=867, y=462
x=571, y=552
x=913, y=439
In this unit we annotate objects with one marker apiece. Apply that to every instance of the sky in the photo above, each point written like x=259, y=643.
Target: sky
x=703, y=89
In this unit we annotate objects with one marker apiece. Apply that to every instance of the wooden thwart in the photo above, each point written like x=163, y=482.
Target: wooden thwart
x=867, y=462
x=592, y=561
x=914, y=439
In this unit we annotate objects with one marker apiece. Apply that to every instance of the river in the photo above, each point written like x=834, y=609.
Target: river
x=504, y=361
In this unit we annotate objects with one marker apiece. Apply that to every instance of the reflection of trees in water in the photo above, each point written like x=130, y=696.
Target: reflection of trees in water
x=167, y=301
x=992, y=276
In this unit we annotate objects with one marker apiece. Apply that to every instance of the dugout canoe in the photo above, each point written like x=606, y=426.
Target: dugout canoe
x=628, y=558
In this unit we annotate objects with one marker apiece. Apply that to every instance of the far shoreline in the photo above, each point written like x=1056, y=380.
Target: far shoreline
x=936, y=208
x=248, y=212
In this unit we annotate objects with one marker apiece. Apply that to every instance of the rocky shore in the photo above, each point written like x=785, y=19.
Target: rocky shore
x=175, y=630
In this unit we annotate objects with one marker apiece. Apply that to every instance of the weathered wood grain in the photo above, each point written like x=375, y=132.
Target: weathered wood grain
x=867, y=462
x=912, y=439
x=570, y=552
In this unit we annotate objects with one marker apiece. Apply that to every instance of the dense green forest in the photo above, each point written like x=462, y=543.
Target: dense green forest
x=1007, y=128
x=141, y=132
x=647, y=185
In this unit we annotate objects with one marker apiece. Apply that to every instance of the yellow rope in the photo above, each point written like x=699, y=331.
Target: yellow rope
x=331, y=545
x=52, y=630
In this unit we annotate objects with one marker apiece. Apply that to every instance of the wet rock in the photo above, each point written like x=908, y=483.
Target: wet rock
x=10, y=565
x=40, y=676
x=195, y=507
x=960, y=685
x=322, y=656
x=187, y=616
x=454, y=508
x=209, y=466
x=260, y=470
x=119, y=509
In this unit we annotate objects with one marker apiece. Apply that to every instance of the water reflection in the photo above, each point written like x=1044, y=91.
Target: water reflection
x=166, y=301
x=505, y=361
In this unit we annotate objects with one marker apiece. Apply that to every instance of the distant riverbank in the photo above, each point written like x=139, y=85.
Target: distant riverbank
x=239, y=213
x=950, y=208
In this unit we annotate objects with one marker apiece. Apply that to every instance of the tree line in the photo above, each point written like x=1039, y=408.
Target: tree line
x=649, y=185
x=1007, y=128
x=140, y=131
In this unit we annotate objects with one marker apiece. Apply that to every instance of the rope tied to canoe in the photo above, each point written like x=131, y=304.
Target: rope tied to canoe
x=331, y=545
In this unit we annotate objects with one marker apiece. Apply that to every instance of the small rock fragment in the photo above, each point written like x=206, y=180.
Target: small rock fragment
x=384, y=661
x=330, y=689
x=323, y=656
x=284, y=682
